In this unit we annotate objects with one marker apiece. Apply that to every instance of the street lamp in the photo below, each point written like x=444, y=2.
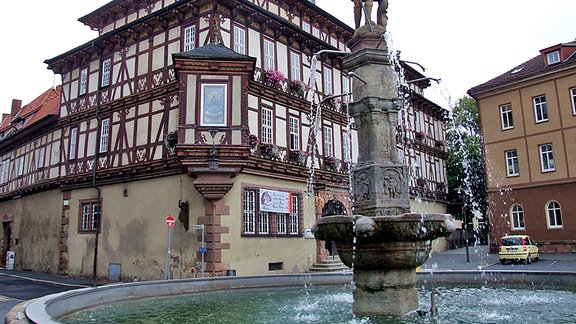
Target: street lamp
x=213, y=161
x=461, y=191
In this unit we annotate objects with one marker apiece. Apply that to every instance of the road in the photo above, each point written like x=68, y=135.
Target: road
x=15, y=289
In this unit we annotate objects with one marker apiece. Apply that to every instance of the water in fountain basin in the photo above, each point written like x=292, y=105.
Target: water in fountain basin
x=332, y=304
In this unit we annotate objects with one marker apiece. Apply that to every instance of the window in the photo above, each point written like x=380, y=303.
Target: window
x=512, y=163
x=41, y=157
x=506, y=116
x=21, y=165
x=517, y=217
x=547, y=158
x=573, y=97
x=346, y=89
x=267, y=125
x=417, y=166
x=553, y=57
x=294, y=220
x=214, y=104
x=269, y=56
x=554, y=214
x=89, y=216
x=328, y=81
x=259, y=222
x=333, y=41
x=189, y=38
x=4, y=171
x=328, y=142
x=540, y=109
x=294, y=133
x=83, y=81
x=239, y=40
x=104, y=135
x=416, y=121
x=106, y=67
x=316, y=32
x=295, y=66
x=73, y=143
x=306, y=26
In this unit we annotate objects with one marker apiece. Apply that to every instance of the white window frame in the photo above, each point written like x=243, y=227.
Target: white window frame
x=41, y=157
x=540, y=108
x=249, y=221
x=417, y=166
x=73, y=143
x=294, y=218
x=269, y=62
x=517, y=215
x=4, y=171
x=259, y=223
x=295, y=69
x=553, y=214
x=417, y=126
x=104, y=135
x=267, y=126
x=83, y=87
x=328, y=141
x=573, y=99
x=346, y=89
x=90, y=216
x=547, y=157
x=506, y=119
x=239, y=40
x=315, y=31
x=306, y=26
x=328, y=84
x=553, y=57
x=21, y=165
x=189, y=38
x=263, y=223
x=333, y=41
x=294, y=125
x=106, y=71
x=281, y=224
x=512, y=166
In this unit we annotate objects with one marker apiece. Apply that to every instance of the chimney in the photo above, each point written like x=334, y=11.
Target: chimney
x=4, y=116
x=16, y=105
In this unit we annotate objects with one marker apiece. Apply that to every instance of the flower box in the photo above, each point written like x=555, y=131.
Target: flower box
x=297, y=157
x=269, y=151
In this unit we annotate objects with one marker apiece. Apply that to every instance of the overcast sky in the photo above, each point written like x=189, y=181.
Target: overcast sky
x=463, y=42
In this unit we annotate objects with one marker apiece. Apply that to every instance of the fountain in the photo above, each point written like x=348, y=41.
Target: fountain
x=384, y=243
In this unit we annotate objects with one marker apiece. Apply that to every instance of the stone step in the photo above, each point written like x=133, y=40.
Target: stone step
x=330, y=264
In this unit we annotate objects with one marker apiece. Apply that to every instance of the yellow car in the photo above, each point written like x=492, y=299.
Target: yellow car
x=518, y=248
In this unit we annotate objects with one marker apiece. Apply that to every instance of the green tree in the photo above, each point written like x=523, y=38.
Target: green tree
x=465, y=163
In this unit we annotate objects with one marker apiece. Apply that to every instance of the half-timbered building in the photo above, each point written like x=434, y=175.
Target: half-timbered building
x=203, y=110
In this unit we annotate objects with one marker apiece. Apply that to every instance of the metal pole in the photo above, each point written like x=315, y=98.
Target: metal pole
x=203, y=250
x=465, y=228
x=168, y=259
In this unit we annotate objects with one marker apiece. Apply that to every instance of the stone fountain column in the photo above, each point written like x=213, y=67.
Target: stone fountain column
x=384, y=242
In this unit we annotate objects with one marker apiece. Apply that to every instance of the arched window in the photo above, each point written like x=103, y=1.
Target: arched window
x=517, y=213
x=554, y=214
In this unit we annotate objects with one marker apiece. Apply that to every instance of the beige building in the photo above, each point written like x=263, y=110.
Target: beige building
x=201, y=111
x=528, y=121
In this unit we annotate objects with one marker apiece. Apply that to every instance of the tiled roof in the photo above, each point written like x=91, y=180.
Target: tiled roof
x=214, y=51
x=530, y=68
x=48, y=103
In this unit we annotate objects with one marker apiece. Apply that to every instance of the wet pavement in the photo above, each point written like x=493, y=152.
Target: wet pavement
x=19, y=286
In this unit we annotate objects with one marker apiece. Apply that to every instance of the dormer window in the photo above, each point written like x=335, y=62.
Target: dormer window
x=553, y=57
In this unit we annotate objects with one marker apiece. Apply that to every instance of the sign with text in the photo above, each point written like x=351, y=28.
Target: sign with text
x=275, y=201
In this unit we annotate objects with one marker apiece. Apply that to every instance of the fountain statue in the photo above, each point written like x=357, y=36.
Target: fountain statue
x=384, y=242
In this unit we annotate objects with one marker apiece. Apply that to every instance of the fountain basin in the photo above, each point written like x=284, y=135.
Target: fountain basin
x=50, y=309
x=384, y=242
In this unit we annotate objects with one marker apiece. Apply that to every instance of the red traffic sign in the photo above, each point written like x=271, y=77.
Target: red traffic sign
x=170, y=221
